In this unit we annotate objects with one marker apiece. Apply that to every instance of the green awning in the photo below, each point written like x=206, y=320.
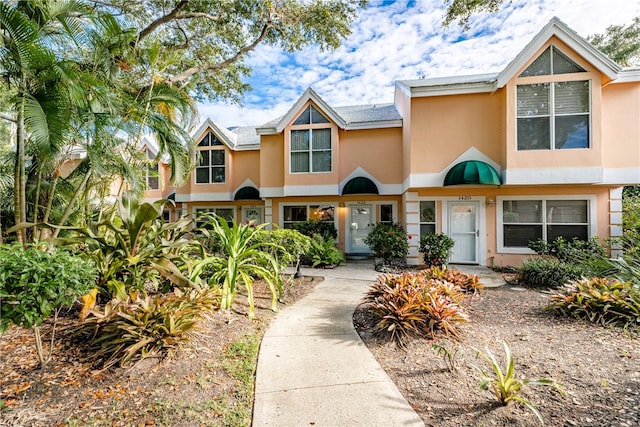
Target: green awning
x=247, y=193
x=360, y=185
x=472, y=172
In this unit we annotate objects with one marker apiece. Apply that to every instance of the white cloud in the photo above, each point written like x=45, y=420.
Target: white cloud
x=391, y=42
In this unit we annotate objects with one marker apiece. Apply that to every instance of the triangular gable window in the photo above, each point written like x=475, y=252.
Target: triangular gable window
x=310, y=116
x=551, y=61
x=209, y=140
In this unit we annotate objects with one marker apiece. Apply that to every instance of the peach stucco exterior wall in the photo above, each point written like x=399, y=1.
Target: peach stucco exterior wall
x=601, y=193
x=272, y=161
x=377, y=151
x=444, y=127
x=570, y=158
x=403, y=104
x=621, y=125
x=246, y=165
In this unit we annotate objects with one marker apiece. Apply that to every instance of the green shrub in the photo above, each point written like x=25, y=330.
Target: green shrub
x=35, y=282
x=286, y=246
x=323, y=252
x=574, y=250
x=435, y=248
x=546, y=272
x=388, y=241
x=311, y=227
x=604, y=301
x=414, y=304
x=143, y=325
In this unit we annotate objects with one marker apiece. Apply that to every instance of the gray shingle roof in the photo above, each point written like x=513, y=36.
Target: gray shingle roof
x=245, y=136
x=368, y=113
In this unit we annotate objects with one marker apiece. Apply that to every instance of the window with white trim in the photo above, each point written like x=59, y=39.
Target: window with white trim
x=386, y=214
x=211, y=166
x=554, y=114
x=151, y=171
x=227, y=213
x=523, y=221
x=310, y=149
x=298, y=213
x=427, y=217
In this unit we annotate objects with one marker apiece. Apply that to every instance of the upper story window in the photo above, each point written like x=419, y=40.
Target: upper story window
x=211, y=165
x=553, y=114
x=151, y=171
x=310, y=146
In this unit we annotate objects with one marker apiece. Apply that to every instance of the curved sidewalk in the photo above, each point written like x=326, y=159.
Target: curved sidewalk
x=313, y=369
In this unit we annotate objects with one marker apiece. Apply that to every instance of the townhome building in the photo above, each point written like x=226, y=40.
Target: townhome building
x=541, y=149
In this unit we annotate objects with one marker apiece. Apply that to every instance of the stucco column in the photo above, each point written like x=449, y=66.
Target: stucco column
x=412, y=224
x=615, y=219
x=268, y=213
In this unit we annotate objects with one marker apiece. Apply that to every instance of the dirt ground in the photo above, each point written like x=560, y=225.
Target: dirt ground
x=191, y=387
x=598, y=368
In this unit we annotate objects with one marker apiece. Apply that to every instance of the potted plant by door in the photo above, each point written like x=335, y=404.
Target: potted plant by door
x=435, y=249
x=390, y=246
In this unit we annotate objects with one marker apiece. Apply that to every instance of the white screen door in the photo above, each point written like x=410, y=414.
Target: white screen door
x=463, y=229
x=359, y=227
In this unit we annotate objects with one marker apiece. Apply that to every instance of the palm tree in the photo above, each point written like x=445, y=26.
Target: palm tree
x=33, y=33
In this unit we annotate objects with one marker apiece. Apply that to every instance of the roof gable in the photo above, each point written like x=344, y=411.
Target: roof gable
x=240, y=138
x=559, y=29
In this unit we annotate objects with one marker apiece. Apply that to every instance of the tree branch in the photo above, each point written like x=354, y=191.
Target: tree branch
x=206, y=67
x=8, y=118
x=190, y=15
x=162, y=20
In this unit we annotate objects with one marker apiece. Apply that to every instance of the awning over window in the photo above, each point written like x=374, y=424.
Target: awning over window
x=172, y=196
x=360, y=185
x=472, y=172
x=247, y=193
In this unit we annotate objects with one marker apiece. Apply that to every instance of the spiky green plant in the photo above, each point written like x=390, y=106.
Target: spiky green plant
x=241, y=262
x=504, y=384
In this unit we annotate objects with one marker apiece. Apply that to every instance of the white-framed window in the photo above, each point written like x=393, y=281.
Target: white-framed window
x=386, y=213
x=427, y=217
x=525, y=219
x=151, y=171
x=211, y=168
x=227, y=212
x=310, y=150
x=304, y=212
x=553, y=114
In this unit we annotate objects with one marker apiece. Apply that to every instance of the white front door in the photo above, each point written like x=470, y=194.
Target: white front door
x=463, y=229
x=252, y=213
x=360, y=219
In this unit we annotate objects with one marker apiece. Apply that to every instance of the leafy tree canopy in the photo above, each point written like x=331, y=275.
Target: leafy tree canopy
x=204, y=43
x=620, y=43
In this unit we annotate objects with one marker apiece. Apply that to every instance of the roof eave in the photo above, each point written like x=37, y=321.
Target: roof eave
x=452, y=89
x=380, y=124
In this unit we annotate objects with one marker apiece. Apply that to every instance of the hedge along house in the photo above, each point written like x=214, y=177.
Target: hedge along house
x=540, y=150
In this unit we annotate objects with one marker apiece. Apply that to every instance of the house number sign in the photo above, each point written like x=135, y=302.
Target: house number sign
x=464, y=197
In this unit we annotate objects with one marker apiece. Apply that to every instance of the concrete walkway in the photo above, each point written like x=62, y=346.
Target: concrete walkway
x=313, y=369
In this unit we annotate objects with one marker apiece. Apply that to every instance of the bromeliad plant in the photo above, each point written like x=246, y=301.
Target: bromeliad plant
x=135, y=249
x=414, y=304
x=323, y=252
x=143, y=325
x=242, y=260
x=604, y=301
x=504, y=384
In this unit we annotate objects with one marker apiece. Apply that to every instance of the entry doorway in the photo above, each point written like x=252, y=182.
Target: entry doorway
x=252, y=213
x=360, y=223
x=463, y=219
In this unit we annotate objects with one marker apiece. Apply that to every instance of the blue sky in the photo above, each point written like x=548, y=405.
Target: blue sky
x=395, y=40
